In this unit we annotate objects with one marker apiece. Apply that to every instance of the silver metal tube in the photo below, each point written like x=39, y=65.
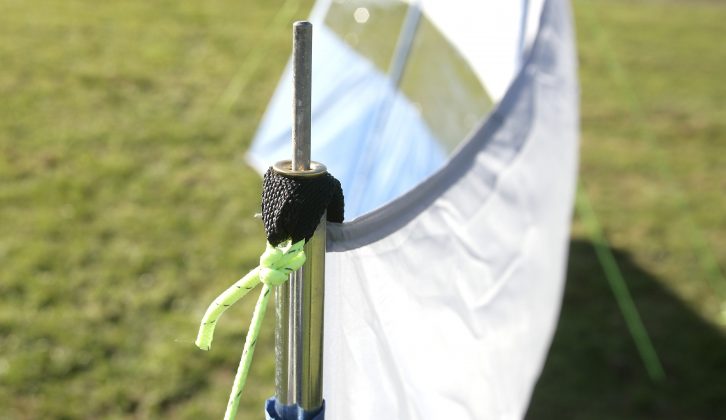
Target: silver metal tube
x=302, y=51
x=299, y=328
x=300, y=301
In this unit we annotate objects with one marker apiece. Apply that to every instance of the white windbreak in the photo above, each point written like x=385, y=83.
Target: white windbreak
x=441, y=303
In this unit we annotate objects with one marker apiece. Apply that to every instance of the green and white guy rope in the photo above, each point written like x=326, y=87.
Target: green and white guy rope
x=276, y=264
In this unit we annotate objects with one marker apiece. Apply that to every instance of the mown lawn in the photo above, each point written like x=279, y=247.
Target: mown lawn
x=125, y=206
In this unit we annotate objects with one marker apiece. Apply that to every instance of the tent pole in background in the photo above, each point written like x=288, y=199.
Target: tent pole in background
x=523, y=33
x=404, y=45
x=300, y=301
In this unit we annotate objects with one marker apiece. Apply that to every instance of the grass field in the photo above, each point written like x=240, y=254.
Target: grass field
x=125, y=206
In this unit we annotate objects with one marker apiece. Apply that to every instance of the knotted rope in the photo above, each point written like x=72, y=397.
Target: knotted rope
x=276, y=263
x=291, y=210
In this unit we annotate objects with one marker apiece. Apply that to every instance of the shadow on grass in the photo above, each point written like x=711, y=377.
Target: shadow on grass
x=593, y=370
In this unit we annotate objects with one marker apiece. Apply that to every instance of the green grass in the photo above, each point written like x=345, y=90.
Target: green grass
x=125, y=206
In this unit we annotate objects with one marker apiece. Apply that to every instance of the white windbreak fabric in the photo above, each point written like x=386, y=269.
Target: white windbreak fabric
x=442, y=303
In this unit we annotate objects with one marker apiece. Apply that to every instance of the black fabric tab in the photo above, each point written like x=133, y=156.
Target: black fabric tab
x=292, y=206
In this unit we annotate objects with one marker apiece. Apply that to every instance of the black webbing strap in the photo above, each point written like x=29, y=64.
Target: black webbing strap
x=292, y=206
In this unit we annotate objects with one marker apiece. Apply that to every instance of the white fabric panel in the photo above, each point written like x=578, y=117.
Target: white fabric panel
x=442, y=304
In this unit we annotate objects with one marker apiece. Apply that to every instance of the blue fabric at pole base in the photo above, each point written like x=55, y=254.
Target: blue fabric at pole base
x=274, y=411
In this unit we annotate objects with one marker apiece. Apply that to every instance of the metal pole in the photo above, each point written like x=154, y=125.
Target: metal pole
x=302, y=51
x=300, y=301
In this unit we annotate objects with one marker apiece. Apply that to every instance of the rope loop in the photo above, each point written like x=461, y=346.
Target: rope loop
x=277, y=262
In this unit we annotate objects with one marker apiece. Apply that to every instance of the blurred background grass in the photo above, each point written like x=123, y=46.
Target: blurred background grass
x=125, y=206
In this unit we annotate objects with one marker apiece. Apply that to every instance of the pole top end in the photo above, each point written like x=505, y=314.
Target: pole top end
x=302, y=24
